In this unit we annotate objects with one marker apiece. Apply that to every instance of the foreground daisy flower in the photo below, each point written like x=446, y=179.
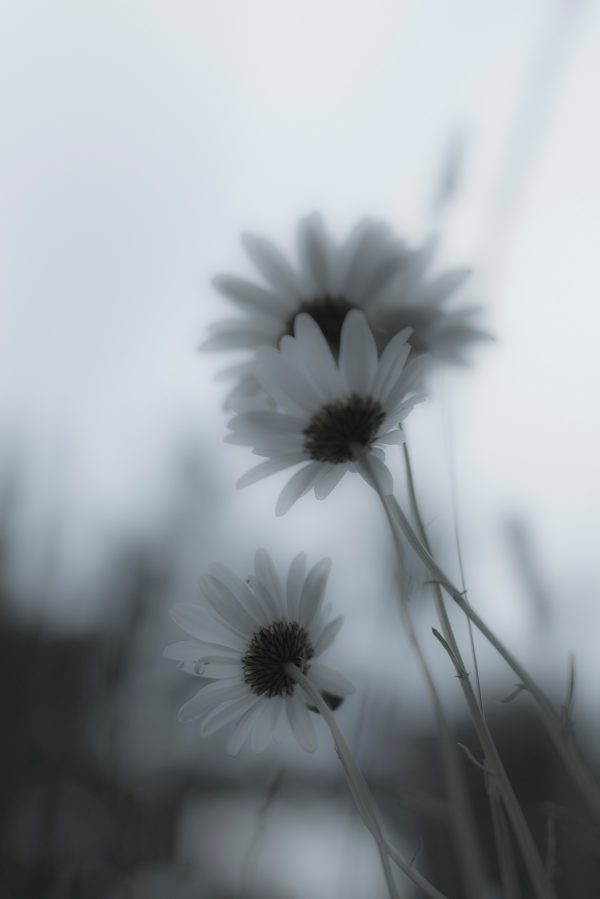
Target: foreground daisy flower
x=371, y=271
x=244, y=636
x=328, y=413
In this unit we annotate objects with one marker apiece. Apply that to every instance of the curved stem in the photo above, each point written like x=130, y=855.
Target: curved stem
x=359, y=788
x=540, y=881
x=588, y=786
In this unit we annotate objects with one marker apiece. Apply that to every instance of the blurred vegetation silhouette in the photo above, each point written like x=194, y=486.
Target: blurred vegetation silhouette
x=97, y=782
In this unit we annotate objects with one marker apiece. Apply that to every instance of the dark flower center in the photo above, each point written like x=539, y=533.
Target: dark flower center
x=337, y=427
x=270, y=649
x=329, y=313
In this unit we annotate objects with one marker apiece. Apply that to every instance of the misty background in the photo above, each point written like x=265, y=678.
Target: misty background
x=139, y=140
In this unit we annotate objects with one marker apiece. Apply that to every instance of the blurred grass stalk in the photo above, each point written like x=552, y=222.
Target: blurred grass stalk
x=399, y=524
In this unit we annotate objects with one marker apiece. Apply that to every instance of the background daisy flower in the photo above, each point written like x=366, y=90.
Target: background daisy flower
x=372, y=271
x=244, y=635
x=327, y=412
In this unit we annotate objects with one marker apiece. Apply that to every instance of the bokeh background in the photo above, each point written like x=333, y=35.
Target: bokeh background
x=139, y=139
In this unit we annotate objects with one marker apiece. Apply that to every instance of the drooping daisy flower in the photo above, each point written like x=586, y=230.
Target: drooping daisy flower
x=328, y=413
x=372, y=271
x=244, y=635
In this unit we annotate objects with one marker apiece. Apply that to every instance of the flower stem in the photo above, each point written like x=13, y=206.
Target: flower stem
x=563, y=742
x=361, y=793
x=468, y=846
x=540, y=881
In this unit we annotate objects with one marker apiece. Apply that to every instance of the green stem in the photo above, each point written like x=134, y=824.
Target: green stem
x=588, y=786
x=463, y=829
x=360, y=790
x=539, y=878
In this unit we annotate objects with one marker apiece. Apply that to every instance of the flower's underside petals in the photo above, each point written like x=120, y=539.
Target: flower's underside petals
x=329, y=478
x=271, y=466
x=299, y=484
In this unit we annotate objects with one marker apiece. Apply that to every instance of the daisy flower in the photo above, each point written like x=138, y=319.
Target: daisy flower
x=372, y=271
x=245, y=634
x=328, y=413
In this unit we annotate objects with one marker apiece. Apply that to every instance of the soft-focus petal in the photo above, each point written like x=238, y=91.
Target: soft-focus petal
x=301, y=723
x=297, y=486
x=313, y=592
x=328, y=635
x=329, y=680
x=295, y=581
x=358, y=354
x=273, y=265
x=211, y=696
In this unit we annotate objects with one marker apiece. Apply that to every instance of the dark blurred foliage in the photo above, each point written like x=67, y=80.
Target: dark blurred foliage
x=82, y=816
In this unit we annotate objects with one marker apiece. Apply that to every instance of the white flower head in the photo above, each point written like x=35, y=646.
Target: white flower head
x=328, y=413
x=245, y=634
x=371, y=271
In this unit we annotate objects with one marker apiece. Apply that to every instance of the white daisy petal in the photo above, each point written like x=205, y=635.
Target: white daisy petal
x=227, y=607
x=266, y=597
x=226, y=713
x=243, y=728
x=392, y=438
x=382, y=474
x=295, y=581
x=192, y=650
x=267, y=575
x=271, y=466
x=297, y=486
x=446, y=284
x=391, y=363
x=262, y=732
x=301, y=723
x=251, y=296
x=318, y=358
x=285, y=382
x=314, y=251
x=313, y=591
x=273, y=265
x=242, y=592
x=325, y=678
x=327, y=635
x=200, y=623
x=218, y=667
x=329, y=478
x=411, y=378
x=211, y=696
x=358, y=354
